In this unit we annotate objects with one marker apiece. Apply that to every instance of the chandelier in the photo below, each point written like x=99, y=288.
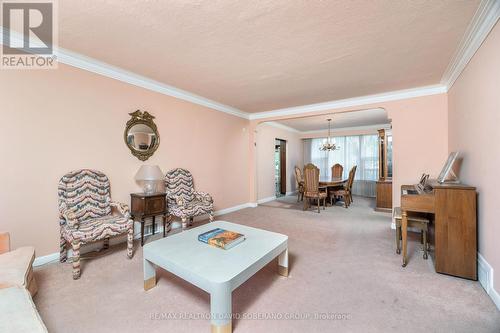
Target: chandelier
x=327, y=146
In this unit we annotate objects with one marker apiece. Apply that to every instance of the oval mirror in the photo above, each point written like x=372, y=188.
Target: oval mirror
x=141, y=135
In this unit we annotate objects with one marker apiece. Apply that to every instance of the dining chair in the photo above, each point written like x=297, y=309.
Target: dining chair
x=312, y=190
x=346, y=192
x=337, y=170
x=300, y=183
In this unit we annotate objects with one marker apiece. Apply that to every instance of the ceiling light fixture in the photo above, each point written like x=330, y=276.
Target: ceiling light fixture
x=327, y=146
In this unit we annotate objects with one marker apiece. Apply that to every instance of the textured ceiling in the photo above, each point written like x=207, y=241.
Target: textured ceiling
x=263, y=55
x=339, y=120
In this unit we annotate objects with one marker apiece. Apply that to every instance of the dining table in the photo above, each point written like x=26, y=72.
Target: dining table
x=327, y=181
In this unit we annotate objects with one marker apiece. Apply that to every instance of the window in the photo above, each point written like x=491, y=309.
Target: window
x=360, y=150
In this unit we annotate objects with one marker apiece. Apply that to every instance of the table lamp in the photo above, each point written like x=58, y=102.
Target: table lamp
x=149, y=175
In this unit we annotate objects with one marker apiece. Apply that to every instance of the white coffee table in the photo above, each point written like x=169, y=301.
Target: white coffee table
x=214, y=270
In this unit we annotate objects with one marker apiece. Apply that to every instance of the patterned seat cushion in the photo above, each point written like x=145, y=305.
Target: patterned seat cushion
x=98, y=228
x=316, y=194
x=339, y=192
x=183, y=200
x=193, y=208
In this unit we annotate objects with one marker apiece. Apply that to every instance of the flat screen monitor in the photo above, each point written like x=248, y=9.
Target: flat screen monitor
x=447, y=174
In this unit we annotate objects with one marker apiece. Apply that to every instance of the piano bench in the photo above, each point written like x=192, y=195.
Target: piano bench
x=415, y=220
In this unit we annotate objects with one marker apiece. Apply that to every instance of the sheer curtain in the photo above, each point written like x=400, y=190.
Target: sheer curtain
x=360, y=150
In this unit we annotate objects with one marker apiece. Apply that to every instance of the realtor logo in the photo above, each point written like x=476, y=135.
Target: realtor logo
x=28, y=35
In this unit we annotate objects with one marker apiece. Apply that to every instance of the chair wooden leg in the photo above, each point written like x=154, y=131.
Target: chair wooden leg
x=305, y=204
x=346, y=199
x=398, y=240
x=324, y=203
x=63, y=251
x=76, y=259
x=318, y=203
x=130, y=242
x=184, y=223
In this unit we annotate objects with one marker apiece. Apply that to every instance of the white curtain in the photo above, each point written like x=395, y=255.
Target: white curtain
x=360, y=150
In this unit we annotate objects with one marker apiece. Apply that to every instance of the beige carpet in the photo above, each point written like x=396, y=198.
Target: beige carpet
x=342, y=265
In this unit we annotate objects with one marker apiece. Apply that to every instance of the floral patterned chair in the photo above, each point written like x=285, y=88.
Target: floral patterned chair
x=85, y=209
x=183, y=201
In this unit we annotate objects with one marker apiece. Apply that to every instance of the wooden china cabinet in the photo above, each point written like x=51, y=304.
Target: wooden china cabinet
x=384, y=183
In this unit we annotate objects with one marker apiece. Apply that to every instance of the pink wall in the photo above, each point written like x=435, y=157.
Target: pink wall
x=67, y=119
x=420, y=138
x=266, y=135
x=64, y=119
x=474, y=116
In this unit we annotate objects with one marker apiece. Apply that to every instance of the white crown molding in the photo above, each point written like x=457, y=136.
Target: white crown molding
x=485, y=18
x=74, y=59
x=350, y=102
x=483, y=21
x=281, y=126
x=98, y=67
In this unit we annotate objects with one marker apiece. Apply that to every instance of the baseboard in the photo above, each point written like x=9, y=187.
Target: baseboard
x=495, y=297
x=234, y=209
x=49, y=258
x=43, y=260
x=264, y=200
x=485, y=276
x=484, y=273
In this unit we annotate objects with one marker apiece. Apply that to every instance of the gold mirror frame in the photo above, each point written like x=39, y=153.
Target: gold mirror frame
x=145, y=118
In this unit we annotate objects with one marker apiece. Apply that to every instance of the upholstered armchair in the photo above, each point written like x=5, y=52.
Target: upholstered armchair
x=85, y=209
x=183, y=201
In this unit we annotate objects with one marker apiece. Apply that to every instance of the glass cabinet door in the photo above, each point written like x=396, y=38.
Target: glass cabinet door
x=389, y=154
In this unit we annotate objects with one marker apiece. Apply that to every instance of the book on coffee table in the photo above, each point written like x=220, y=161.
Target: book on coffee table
x=221, y=238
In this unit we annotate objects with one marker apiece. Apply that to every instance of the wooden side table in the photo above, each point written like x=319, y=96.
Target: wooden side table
x=149, y=205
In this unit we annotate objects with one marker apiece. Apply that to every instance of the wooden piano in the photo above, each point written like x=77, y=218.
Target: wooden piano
x=453, y=233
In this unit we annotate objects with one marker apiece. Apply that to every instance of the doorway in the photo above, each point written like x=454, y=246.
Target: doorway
x=280, y=167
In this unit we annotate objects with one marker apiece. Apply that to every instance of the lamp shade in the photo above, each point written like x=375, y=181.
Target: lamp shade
x=149, y=172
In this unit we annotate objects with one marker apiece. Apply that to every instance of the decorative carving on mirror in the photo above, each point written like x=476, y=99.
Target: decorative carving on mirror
x=141, y=135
